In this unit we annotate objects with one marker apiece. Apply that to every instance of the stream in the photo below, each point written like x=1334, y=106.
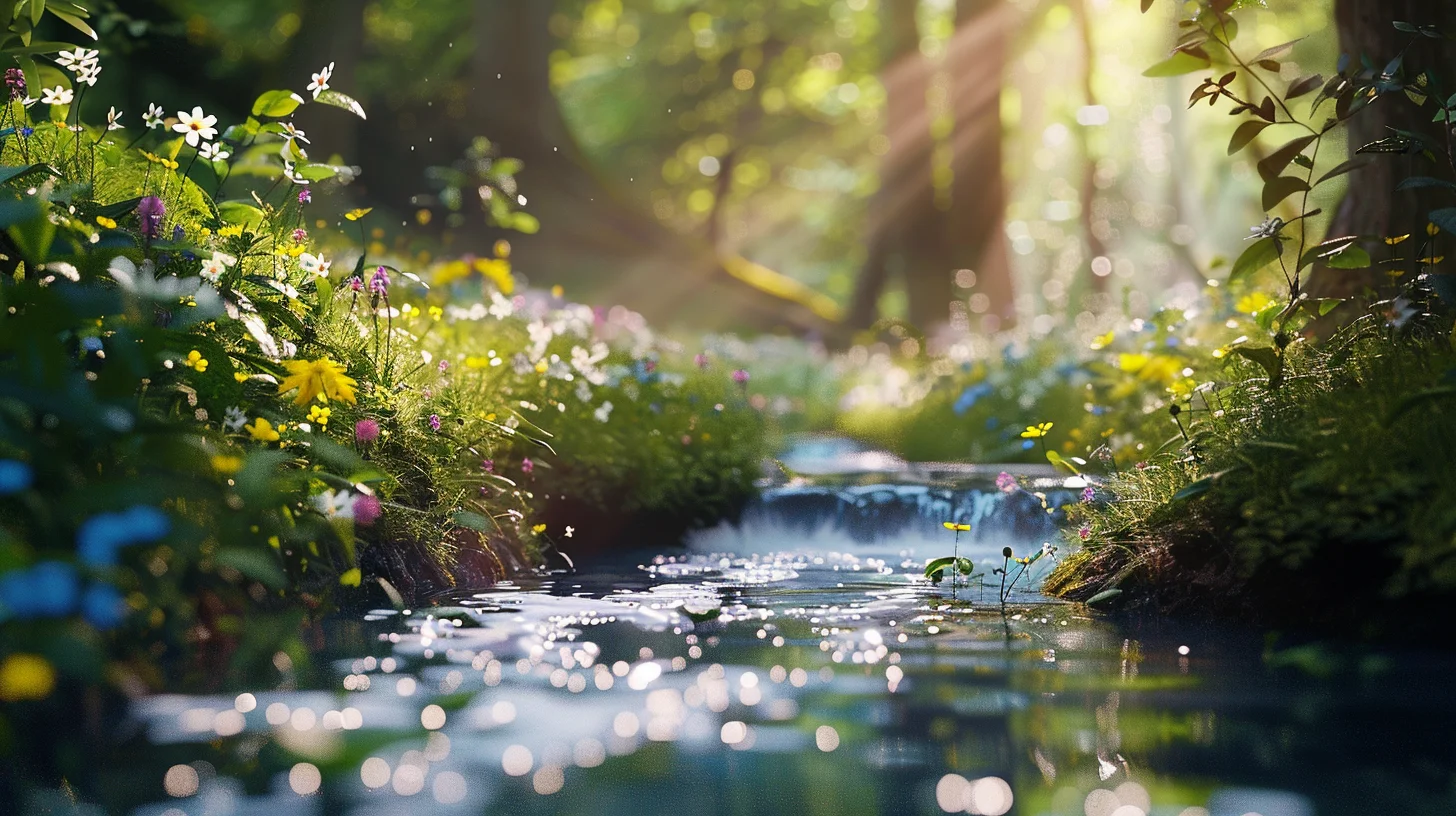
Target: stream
x=798, y=663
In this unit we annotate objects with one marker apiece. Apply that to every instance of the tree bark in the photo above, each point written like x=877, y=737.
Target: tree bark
x=1373, y=206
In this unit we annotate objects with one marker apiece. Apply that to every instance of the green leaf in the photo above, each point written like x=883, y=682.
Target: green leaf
x=1246, y=134
x=1177, y=65
x=1194, y=490
x=1147, y=4
x=75, y=22
x=1277, y=51
x=1304, y=86
x=39, y=47
x=1274, y=163
x=1444, y=218
x=1342, y=168
x=1268, y=358
x=339, y=100
x=1422, y=182
x=1058, y=460
x=37, y=11
x=1351, y=257
x=276, y=103
x=317, y=172
x=1259, y=255
x=241, y=213
x=1104, y=595
x=258, y=564
x=1278, y=189
x=11, y=173
x=1327, y=305
x=525, y=222
x=475, y=521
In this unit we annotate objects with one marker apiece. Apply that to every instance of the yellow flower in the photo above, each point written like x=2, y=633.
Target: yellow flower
x=350, y=577
x=503, y=248
x=322, y=378
x=1432, y=229
x=155, y=159
x=558, y=291
x=262, y=430
x=227, y=464
x=1036, y=431
x=497, y=270
x=1252, y=303
x=539, y=529
x=1395, y=239
x=475, y=361
x=26, y=677
x=103, y=221
x=195, y=361
x=951, y=525
x=230, y=231
x=541, y=367
x=319, y=414
x=241, y=376
x=1102, y=341
x=436, y=313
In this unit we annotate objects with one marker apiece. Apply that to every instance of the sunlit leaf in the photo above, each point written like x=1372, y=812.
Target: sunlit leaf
x=1180, y=63
x=338, y=100
x=1259, y=255
x=276, y=103
x=1274, y=163
x=1277, y=51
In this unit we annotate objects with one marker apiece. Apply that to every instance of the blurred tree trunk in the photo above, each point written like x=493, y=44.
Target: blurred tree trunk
x=974, y=224
x=1372, y=206
x=1096, y=247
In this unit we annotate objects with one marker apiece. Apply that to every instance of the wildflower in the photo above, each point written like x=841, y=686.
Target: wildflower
x=379, y=282
x=366, y=431
x=304, y=197
x=435, y=423
x=234, y=419
x=322, y=378
x=539, y=529
x=687, y=439
x=102, y=536
x=367, y=510
x=15, y=476
x=300, y=235
x=352, y=576
x=1398, y=312
x=314, y=264
x=436, y=313
x=209, y=151
x=88, y=73
x=149, y=212
x=263, y=431
x=78, y=59
x=319, y=414
x=740, y=376
x=197, y=126
x=26, y=677
x=1084, y=532
x=212, y=270
x=700, y=360
x=1006, y=483
x=162, y=160
x=1037, y=431
x=1088, y=494
x=527, y=465
x=227, y=464
x=335, y=504
x=59, y=95
x=15, y=81
x=355, y=284
x=154, y=117
x=1268, y=229
x=951, y=525
x=105, y=223
x=290, y=132
x=1252, y=303
x=444, y=366
x=46, y=590
x=488, y=466
x=320, y=81
x=102, y=606
x=195, y=361
x=27, y=131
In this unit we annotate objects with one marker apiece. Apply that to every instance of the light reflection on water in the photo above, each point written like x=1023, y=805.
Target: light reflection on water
x=825, y=678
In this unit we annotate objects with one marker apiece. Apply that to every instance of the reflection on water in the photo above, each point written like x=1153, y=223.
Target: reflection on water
x=803, y=671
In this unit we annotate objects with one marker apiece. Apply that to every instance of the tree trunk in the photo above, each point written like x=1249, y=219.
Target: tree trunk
x=1373, y=206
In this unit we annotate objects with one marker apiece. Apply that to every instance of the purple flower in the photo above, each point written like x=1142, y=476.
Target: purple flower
x=366, y=431
x=649, y=365
x=700, y=360
x=379, y=282
x=304, y=196
x=15, y=81
x=1006, y=483
x=149, y=213
x=1088, y=494
x=26, y=132
x=1084, y=532
x=355, y=284
x=434, y=422
x=527, y=466
x=300, y=235
x=366, y=510
x=444, y=366
x=488, y=466
x=740, y=376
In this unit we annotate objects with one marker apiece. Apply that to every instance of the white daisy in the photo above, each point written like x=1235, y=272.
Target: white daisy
x=197, y=125
x=212, y=270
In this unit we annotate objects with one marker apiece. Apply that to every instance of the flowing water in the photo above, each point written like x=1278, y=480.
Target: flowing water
x=797, y=663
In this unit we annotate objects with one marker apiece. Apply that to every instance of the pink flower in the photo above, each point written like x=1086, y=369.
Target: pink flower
x=740, y=376
x=300, y=235
x=304, y=196
x=1084, y=532
x=366, y=431
x=1006, y=483
x=444, y=366
x=527, y=466
x=366, y=510
x=700, y=360
x=355, y=284
x=687, y=440
x=434, y=422
x=488, y=466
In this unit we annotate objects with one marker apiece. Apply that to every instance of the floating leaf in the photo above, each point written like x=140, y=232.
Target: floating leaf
x=1351, y=257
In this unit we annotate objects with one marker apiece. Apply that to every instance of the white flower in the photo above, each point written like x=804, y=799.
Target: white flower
x=197, y=125
x=604, y=412
x=234, y=419
x=225, y=259
x=291, y=132
x=212, y=270
x=501, y=306
x=320, y=81
x=211, y=151
x=77, y=59
x=569, y=530
x=29, y=101
x=155, y=116
x=113, y=119
x=335, y=504
x=314, y=264
x=59, y=95
x=87, y=73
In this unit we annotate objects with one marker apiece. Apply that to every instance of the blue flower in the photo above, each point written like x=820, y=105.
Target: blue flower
x=92, y=344
x=47, y=590
x=102, y=606
x=1028, y=445
x=25, y=132
x=968, y=398
x=15, y=476
x=102, y=536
